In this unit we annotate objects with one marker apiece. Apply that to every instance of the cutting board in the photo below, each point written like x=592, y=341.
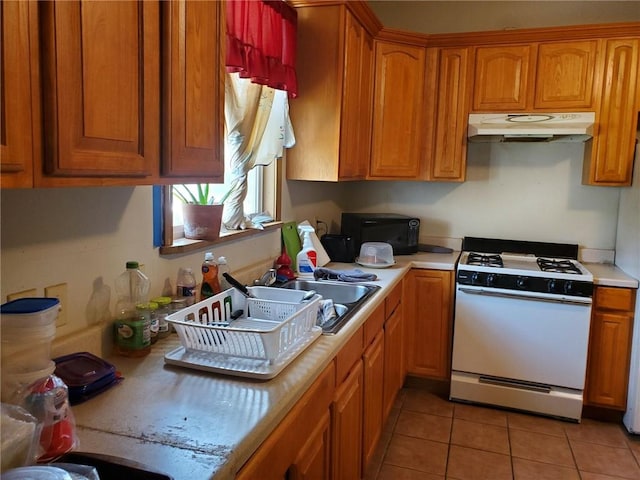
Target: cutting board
x=291, y=242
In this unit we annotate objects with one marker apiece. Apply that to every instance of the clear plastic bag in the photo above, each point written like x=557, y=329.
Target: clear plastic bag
x=20, y=432
x=47, y=400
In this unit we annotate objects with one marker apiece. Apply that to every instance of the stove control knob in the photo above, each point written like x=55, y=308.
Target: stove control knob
x=521, y=282
x=551, y=285
x=475, y=277
x=491, y=280
x=568, y=287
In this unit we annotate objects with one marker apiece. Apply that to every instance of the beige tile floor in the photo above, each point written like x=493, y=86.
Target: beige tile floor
x=429, y=438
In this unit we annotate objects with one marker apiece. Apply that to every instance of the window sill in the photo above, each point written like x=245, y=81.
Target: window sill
x=185, y=245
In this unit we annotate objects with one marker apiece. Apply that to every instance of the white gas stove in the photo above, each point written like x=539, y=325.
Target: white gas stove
x=521, y=326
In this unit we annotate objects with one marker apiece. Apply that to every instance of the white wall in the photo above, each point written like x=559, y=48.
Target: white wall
x=84, y=236
x=513, y=191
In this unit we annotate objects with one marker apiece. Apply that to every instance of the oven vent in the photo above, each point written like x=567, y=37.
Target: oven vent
x=531, y=127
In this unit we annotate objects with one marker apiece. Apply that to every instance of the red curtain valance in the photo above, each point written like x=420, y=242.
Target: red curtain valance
x=261, y=42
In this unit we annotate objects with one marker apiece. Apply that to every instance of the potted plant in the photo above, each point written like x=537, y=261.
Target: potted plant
x=202, y=215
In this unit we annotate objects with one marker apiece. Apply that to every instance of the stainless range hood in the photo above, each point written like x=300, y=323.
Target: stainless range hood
x=530, y=127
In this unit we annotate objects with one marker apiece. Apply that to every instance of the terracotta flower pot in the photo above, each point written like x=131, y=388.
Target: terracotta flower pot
x=202, y=222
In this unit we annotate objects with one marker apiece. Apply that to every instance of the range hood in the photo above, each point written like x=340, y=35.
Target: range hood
x=531, y=127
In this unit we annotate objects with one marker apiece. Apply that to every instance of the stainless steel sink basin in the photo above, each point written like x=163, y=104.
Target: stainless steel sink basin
x=347, y=298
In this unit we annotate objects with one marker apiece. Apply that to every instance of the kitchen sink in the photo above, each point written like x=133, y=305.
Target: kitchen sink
x=114, y=468
x=347, y=298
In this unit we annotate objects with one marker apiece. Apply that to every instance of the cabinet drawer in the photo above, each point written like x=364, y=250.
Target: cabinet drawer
x=612, y=298
x=392, y=300
x=350, y=353
x=374, y=324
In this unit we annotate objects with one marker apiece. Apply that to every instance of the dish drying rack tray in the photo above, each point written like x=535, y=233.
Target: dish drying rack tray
x=274, y=328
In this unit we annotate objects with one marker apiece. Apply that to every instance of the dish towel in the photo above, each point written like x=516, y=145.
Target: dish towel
x=354, y=275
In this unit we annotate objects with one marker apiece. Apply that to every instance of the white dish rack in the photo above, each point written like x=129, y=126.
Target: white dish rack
x=272, y=330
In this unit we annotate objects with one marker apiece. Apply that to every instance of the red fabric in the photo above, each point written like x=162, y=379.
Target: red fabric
x=261, y=42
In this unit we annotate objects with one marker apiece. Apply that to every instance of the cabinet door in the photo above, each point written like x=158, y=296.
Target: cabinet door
x=297, y=445
x=610, y=155
x=609, y=353
x=347, y=427
x=374, y=368
x=313, y=461
x=393, y=358
x=502, y=80
x=16, y=126
x=101, y=94
x=355, y=129
x=429, y=320
x=610, y=347
x=193, y=89
x=398, y=111
x=454, y=94
x=565, y=75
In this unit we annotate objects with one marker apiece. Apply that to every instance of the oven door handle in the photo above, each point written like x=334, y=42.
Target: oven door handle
x=585, y=301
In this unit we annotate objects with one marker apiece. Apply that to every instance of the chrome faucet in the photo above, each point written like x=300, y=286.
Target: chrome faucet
x=267, y=279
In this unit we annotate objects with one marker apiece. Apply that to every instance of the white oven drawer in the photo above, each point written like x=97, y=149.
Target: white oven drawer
x=521, y=338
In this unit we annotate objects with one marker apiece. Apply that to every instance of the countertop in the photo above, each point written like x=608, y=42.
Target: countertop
x=197, y=425
x=609, y=275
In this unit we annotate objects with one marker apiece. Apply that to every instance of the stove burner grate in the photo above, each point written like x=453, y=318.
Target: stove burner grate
x=484, y=260
x=558, y=266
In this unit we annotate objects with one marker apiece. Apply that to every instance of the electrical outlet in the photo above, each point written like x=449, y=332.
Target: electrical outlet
x=59, y=291
x=32, y=292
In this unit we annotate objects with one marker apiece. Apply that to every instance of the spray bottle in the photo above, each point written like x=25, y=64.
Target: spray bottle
x=307, y=258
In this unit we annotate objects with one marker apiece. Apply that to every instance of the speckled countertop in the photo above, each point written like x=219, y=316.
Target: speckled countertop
x=197, y=425
x=609, y=275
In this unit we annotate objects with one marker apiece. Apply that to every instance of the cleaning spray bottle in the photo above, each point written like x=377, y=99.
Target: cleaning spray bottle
x=307, y=258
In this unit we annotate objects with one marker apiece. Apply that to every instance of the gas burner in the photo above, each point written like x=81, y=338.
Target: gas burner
x=557, y=266
x=484, y=260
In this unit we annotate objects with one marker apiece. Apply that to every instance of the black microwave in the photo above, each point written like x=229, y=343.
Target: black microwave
x=400, y=231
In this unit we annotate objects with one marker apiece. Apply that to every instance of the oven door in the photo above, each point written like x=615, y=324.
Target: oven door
x=537, y=338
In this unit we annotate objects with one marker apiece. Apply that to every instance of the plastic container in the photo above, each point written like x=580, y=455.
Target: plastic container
x=376, y=254
x=186, y=285
x=15, y=380
x=132, y=326
x=164, y=309
x=27, y=328
x=223, y=267
x=210, y=284
x=307, y=258
x=85, y=375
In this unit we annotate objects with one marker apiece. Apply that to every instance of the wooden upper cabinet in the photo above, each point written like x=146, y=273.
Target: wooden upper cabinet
x=502, y=78
x=101, y=88
x=193, y=89
x=566, y=75
x=448, y=159
x=554, y=76
x=357, y=101
x=16, y=124
x=609, y=156
x=398, y=111
x=332, y=115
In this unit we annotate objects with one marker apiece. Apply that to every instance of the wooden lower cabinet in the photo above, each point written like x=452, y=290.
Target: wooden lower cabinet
x=610, y=347
x=374, y=370
x=347, y=426
x=298, y=447
x=429, y=311
x=394, y=371
x=314, y=460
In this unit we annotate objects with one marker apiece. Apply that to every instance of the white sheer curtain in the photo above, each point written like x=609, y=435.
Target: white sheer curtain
x=257, y=129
